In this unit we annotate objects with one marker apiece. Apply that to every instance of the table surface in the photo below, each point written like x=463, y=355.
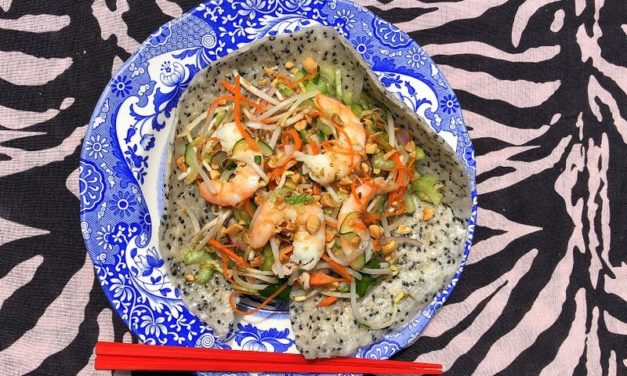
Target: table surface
x=542, y=87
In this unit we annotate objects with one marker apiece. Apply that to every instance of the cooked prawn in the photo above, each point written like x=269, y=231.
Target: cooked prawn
x=245, y=180
x=308, y=241
x=334, y=164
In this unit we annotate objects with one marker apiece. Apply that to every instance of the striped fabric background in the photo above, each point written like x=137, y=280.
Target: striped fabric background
x=542, y=85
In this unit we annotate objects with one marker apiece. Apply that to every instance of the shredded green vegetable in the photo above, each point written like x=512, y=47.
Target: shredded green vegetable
x=427, y=188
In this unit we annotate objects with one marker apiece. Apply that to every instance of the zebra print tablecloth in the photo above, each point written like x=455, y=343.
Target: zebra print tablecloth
x=542, y=84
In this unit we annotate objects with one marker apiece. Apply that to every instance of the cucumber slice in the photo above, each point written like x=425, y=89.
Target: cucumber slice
x=190, y=154
x=324, y=128
x=266, y=150
x=347, y=225
x=242, y=145
x=359, y=262
x=410, y=203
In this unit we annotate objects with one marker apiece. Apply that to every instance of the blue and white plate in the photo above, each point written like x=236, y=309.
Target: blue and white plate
x=122, y=158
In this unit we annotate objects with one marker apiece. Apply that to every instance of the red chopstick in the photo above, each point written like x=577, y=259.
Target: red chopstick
x=126, y=356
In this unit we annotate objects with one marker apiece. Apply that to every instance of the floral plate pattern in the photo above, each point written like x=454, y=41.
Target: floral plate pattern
x=121, y=176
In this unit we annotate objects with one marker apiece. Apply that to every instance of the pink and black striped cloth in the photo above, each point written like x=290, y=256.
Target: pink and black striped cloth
x=542, y=87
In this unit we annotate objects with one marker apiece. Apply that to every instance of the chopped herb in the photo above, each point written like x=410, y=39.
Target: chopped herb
x=258, y=159
x=299, y=199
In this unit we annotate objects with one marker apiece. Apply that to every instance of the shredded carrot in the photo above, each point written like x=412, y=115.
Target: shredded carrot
x=332, y=224
x=298, y=143
x=341, y=270
x=278, y=171
x=359, y=226
x=330, y=145
x=225, y=270
x=284, y=253
x=314, y=147
x=221, y=99
x=283, y=78
x=259, y=307
x=237, y=94
x=318, y=278
x=220, y=247
x=248, y=101
x=375, y=245
x=402, y=177
x=327, y=301
x=308, y=77
x=289, y=162
x=370, y=218
x=248, y=207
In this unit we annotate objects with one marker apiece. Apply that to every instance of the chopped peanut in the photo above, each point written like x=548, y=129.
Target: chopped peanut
x=403, y=230
x=329, y=235
x=189, y=278
x=410, y=146
x=299, y=126
x=389, y=247
x=371, y=148
x=312, y=224
x=399, y=296
x=389, y=154
x=327, y=201
x=180, y=162
x=289, y=65
x=290, y=185
x=310, y=65
x=233, y=229
x=345, y=181
x=365, y=168
x=427, y=213
x=214, y=174
x=355, y=240
x=375, y=231
x=296, y=178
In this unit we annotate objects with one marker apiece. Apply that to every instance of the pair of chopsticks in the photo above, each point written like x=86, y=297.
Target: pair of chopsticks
x=137, y=357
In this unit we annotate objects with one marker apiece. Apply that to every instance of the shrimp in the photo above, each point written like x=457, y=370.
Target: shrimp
x=308, y=240
x=366, y=192
x=245, y=181
x=330, y=165
x=230, y=193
